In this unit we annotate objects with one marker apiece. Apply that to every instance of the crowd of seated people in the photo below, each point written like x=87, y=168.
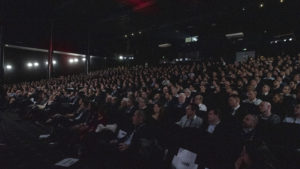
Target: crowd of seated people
x=142, y=115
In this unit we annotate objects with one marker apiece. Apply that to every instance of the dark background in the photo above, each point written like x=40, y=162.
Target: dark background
x=105, y=24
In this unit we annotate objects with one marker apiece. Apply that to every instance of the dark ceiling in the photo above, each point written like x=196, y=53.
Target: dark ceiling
x=27, y=22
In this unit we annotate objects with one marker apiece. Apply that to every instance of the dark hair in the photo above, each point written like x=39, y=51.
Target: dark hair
x=141, y=114
x=194, y=107
x=217, y=111
x=234, y=96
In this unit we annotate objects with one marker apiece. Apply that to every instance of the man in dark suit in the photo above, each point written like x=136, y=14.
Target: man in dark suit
x=138, y=146
x=220, y=134
x=237, y=111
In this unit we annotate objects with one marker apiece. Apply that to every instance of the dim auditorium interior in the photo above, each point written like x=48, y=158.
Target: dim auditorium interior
x=149, y=84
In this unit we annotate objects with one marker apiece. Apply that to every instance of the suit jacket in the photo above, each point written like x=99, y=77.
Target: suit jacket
x=239, y=114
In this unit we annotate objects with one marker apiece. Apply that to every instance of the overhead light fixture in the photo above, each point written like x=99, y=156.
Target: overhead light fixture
x=261, y=5
x=75, y=60
x=140, y=32
x=29, y=64
x=290, y=39
x=245, y=49
x=132, y=34
x=71, y=60
x=53, y=62
x=36, y=64
x=244, y=9
x=194, y=38
x=284, y=40
x=125, y=36
x=121, y=57
x=281, y=1
x=235, y=35
x=8, y=67
x=164, y=45
x=84, y=59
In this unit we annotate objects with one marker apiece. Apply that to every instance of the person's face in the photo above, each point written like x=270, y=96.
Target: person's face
x=156, y=96
x=181, y=98
x=165, y=89
x=142, y=103
x=251, y=95
x=211, y=116
x=189, y=111
x=248, y=121
x=286, y=90
x=297, y=110
x=233, y=102
x=266, y=89
x=253, y=83
x=136, y=120
x=156, y=108
x=292, y=84
x=263, y=107
x=144, y=95
x=240, y=83
x=276, y=98
x=187, y=93
x=197, y=100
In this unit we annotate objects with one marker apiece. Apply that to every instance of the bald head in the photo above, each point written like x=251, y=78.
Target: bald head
x=265, y=108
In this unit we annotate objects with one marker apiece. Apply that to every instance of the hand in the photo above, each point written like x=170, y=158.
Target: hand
x=123, y=147
x=238, y=163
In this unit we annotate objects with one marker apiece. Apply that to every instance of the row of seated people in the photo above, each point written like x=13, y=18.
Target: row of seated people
x=201, y=107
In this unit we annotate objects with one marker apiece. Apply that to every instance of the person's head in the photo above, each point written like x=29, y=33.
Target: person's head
x=187, y=92
x=265, y=108
x=277, y=98
x=198, y=99
x=213, y=116
x=253, y=83
x=138, y=118
x=144, y=95
x=142, y=103
x=129, y=102
x=297, y=110
x=191, y=109
x=165, y=90
x=266, y=89
x=276, y=84
x=181, y=98
x=256, y=155
x=269, y=74
x=251, y=94
x=157, y=108
x=234, y=101
x=286, y=90
x=124, y=102
x=250, y=121
x=156, y=96
x=292, y=84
